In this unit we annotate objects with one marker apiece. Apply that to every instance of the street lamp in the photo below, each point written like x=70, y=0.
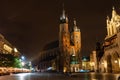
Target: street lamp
x=22, y=58
x=23, y=63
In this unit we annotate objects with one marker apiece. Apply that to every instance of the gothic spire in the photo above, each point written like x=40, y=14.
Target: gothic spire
x=75, y=26
x=113, y=11
x=63, y=18
x=74, y=22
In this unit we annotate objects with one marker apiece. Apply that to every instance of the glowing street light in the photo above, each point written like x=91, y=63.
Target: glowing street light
x=23, y=63
x=23, y=57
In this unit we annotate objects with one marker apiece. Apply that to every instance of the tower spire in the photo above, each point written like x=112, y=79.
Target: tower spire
x=63, y=14
x=74, y=22
x=113, y=8
x=113, y=11
x=75, y=26
x=63, y=18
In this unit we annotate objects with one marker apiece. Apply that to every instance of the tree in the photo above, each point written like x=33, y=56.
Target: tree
x=8, y=60
x=17, y=62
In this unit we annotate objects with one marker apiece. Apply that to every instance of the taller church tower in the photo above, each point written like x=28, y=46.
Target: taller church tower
x=64, y=42
x=64, y=34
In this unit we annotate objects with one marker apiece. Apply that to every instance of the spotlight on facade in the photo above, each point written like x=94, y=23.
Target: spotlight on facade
x=115, y=61
x=105, y=64
x=102, y=63
x=15, y=49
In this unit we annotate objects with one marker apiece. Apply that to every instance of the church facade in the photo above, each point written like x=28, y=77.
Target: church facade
x=70, y=45
x=65, y=56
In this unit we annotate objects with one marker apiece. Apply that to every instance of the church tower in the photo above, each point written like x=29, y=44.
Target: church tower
x=76, y=46
x=64, y=42
x=63, y=30
x=76, y=37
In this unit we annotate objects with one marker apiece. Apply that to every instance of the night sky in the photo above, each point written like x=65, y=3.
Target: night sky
x=31, y=24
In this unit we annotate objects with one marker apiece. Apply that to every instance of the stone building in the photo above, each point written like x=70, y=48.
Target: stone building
x=70, y=45
x=7, y=53
x=110, y=62
x=49, y=57
x=86, y=63
x=67, y=53
x=93, y=61
x=7, y=48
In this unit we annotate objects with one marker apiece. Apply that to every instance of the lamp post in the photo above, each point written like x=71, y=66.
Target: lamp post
x=22, y=58
x=23, y=62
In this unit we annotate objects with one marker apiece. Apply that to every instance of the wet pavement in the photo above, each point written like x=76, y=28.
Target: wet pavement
x=58, y=76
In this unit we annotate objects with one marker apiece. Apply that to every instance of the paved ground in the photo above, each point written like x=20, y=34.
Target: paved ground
x=58, y=76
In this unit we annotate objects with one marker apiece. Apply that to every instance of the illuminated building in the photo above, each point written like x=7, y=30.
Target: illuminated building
x=66, y=56
x=86, y=63
x=93, y=61
x=110, y=62
x=70, y=45
x=7, y=53
x=7, y=48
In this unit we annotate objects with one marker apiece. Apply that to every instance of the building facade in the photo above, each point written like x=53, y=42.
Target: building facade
x=70, y=45
x=86, y=63
x=7, y=53
x=67, y=57
x=110, y=62
x=93, y=61
x=7, y=48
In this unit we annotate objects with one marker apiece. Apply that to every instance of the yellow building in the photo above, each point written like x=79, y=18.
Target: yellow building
x=110, y=62
x=93, y=61
x=70, y=45
x=86, y=63
x=7, y=48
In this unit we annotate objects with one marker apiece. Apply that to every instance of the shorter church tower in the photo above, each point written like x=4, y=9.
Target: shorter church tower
x=75, y=60
x=76, y=37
